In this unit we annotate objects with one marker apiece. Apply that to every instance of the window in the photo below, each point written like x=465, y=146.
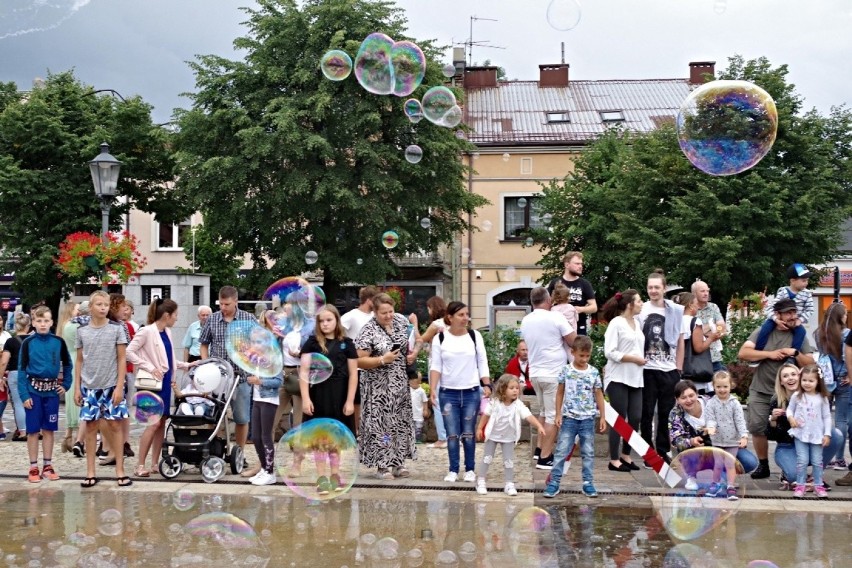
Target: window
x=150, y=293
x=560, y=116
x=526, y=166
x=172, y=237
x=197, y=292
x=612, y=116
x=520, y=214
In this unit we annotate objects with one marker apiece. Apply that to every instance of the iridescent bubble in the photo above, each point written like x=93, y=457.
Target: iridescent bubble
x=449, y=70
x=688, y=514
x=426, y=222
x=414, y=558
x=336, y=65
x=183, y=499
x=522, y=202
x=230, y=532
x=413, y=154
x=563, y=15
x=359, y=262
x=148, y=408
x=446, y=559
x=453, y=117
x=546, y=218
x=460, y=134
x=318, y=460
x=436, y=103
x=531, y=538
x=413, y=110
x=727, y=127
x=467, y=551
x=298, y=292
x=506, y=157
x=486, y=226
x=409, y=67
x=529, y=242
x=386, y=552
x=373, y=64
x=320, y=369
x=511, y=273
x=253, y=348
x=390, y=239
x=687, y=555
x=311, y=257
x=111, y=522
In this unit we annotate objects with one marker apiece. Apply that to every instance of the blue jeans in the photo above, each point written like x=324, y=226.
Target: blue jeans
x=841, y=422
x=460, y=407
x=785, y=454
x=808, y=453
x=17, y=403
x=571, y=428
x=439, y=424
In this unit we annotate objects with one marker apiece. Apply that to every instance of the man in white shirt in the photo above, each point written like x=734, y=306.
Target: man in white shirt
x=548, y=337
x=352, y=322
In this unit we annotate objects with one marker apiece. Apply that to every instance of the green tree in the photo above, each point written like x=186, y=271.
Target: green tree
x=284, y=161
x=634, y=202
x=46, y=137
x=211, y=255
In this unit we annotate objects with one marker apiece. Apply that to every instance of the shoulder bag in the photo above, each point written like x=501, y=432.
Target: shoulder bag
x=697, y=367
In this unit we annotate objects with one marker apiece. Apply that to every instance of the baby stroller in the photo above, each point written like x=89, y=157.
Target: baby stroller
x=203, y=441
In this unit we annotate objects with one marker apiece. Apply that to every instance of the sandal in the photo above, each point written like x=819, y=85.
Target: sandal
x=141, y=471
x=89, y=482
x=124, y=481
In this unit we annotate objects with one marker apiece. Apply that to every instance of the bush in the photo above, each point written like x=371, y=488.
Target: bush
x=500, y=345
x=596, y=334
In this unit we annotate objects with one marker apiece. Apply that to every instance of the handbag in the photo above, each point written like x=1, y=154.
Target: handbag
x=147, y=382
x=291, y=382
x=697, y=367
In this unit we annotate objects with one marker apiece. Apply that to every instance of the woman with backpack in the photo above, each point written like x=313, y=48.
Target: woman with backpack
x=830, y=337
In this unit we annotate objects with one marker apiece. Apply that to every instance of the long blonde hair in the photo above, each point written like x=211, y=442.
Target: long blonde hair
x=780, y=391
x=338, y=327
x=65, y=317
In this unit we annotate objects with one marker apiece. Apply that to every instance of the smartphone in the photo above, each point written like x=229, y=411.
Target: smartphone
x=396, y=347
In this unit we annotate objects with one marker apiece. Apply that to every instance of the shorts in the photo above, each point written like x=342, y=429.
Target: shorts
x=44, y=415
x=758, y=413
x=97, y=404
x=545, y=393
x=241, y=403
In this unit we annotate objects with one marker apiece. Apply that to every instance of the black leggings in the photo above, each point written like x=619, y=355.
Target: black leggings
x=262, y=425
x=658, y=393
x=627, y=402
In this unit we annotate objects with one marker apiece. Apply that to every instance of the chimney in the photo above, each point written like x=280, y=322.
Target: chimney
x=480, y=77
x=553, y=75
x=702, y=72
x=459, y=60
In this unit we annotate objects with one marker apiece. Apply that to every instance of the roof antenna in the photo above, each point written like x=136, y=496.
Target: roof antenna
x=563, y=53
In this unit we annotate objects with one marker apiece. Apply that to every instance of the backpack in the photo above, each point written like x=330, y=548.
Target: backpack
x=472, y=338
x=826, y=368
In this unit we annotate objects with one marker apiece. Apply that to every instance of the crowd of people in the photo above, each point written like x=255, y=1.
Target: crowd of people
x=663, y=375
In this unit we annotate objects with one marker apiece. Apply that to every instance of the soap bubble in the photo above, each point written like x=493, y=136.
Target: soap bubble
x=408, y=67
x=298, y=292
x=318, y=440
x=690, y=514
x=336, y=65
x=761, y=564
x=727, y=127
x=183, y=499
x=148, y=408
x=467, y=552
x=529, y=242
x=448, y=70
x=235, y=537
x=390, y=239
x=436, y=103
x=67, y=555
x=530, y=536
x=452, y=117
x=486, y=226
x=563, y=15
x=546, y=218
x=446, y=559
x=511, y=273
x=359, y=261
x=506, y=157
x=413, y=154
x=465, y=252
x=253, y=348
x=320, y=369
x=373, y=64
x=413, y=110
x=311, y=257
x=414, y=558
x=111, y=522
x=687, y=555
x=522, y=202
x=386, y=552
x=426, y=223
x=719, y=6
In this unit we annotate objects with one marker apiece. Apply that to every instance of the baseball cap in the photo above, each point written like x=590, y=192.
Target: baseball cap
x=785, y=305
x=798, y=271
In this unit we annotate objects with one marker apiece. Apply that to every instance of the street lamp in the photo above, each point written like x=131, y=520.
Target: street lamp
x=104, y=169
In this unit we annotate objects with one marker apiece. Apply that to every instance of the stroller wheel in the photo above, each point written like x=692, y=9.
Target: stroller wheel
x=236, y=459
x=170, y=467
x=212, y=469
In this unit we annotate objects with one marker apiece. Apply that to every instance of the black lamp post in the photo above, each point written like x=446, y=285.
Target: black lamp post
x=105, y=169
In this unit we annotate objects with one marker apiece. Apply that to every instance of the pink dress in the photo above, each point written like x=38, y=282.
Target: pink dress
x=570, y=313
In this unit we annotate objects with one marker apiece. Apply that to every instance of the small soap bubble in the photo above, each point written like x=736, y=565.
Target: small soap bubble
x=546, y=218
x=522, y=202
x=183, y=500
x=446, y=559
x=436, y=103
x=564, y=15
x=413, y=110
x=254, y=348
x=529, y=242
x=761, y=564
x=110, y=522
x=336, y=65
x=413, y=154
x=359, y=261
x=148, y=408
x=426, y=222
x=414, y=558
x=506, y=157
x=390, y=239
x=449, y=70
x=467, y=552
x=311, y=257
x=486, y=226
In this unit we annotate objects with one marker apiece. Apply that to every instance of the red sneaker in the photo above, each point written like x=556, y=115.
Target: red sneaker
x=48, y=473
x=34, y=476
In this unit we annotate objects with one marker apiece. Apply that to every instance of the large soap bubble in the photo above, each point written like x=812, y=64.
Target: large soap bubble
x=563, y=15
x=413, y=110
x=531, y=538
x=701, y=502
x=436, y=103
x=148, y=408
x=336, y=65
x=297, y=291
x=319, y=459
x=408, y=66
x=254, y=349
x=373, y=64
x=727, y=127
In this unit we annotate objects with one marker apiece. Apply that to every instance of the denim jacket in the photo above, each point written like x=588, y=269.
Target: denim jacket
x=269, y=386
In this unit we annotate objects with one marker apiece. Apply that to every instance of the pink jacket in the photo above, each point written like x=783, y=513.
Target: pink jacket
x=570, y=313
x=148, y=351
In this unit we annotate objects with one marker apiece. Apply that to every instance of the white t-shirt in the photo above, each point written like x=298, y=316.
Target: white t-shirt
x=543, y=332
x=687, y=323
x=352, y=322
x=292, y=342
x=460, y=365
x=418, y=397
x=659, y=355
x=504, y=422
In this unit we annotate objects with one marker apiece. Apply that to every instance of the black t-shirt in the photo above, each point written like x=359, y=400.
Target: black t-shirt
x=339, y=353
x=580, y=291
x=13, y=346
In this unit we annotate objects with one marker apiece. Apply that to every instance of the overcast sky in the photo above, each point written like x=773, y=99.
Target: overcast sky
x=141, y=46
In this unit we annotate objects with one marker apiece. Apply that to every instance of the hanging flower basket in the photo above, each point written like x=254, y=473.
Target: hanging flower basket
x=84, y=255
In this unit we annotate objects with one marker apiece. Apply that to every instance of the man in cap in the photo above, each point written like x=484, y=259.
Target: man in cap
x=785, y=342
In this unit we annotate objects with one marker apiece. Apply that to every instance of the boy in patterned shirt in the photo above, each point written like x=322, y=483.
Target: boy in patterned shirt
x=580, y=396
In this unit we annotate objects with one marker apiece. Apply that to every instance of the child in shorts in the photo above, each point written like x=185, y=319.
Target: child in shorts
x=99, y=384
x=40, y=387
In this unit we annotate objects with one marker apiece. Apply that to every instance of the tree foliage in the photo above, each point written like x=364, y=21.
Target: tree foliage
x=211, y=255
x=283, y=161
x=47, y=136
x=634, y=202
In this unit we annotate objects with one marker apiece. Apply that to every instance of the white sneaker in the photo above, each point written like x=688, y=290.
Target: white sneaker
x=691, y=484
x=257, y=475
x=510, y=489
x=480, y=487
x=264, y=478
x=452, y=477
x=469, y=476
